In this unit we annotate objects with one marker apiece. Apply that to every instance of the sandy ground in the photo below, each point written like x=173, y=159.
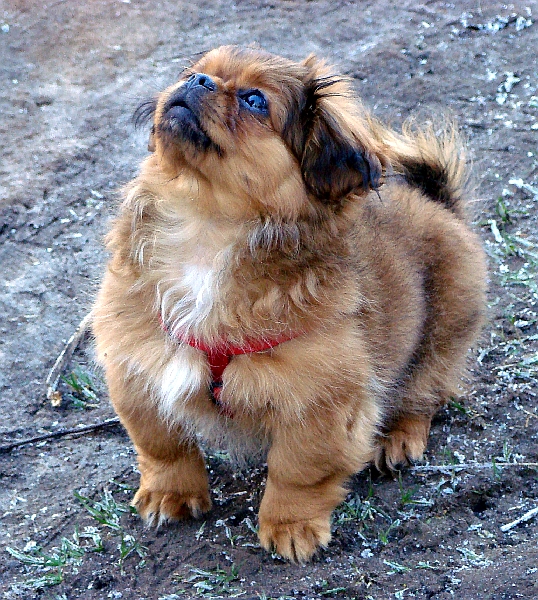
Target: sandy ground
x=72, y=73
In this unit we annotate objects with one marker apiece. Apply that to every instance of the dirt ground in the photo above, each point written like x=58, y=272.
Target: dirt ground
x=71, y=74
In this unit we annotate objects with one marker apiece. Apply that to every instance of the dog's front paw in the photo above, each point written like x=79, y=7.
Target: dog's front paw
x=157, y=507
x=404, y=443
x=295, y=541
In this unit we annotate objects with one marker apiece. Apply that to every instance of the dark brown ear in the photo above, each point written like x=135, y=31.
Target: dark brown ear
x=335, y=164
x=339, y=155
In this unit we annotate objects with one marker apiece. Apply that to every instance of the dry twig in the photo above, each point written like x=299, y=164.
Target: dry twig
x=468, y=467
x=60, y=433
x=54, y=374
x=526, y=517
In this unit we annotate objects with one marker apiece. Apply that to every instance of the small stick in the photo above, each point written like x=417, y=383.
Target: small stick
x=467, y=467
x=60, y=433
x=526, y=517
x=54, y=374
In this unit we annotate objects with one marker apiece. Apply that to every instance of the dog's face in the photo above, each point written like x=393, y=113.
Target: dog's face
x=275, y=133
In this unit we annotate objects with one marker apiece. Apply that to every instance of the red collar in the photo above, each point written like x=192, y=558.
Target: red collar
x=219, y=356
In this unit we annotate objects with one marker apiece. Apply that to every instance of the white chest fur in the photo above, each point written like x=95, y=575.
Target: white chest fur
x=189, y=265
x=182, y=377
x=199, y=280
x=187, y=300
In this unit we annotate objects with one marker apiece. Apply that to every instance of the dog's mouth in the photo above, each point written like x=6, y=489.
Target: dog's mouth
x=177, y=109
x=181, y=120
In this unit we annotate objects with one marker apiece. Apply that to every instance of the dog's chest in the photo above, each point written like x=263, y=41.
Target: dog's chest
x=189, y=289
x=199, y=283
x=196, y=299
x=192, y=276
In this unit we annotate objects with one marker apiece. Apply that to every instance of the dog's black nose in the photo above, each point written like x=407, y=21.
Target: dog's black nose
x=203, y=80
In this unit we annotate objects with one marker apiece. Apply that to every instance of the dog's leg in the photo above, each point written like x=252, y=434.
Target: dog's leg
x=456, y=294
x=173, y=478
x=308, y=466
x=433, y=381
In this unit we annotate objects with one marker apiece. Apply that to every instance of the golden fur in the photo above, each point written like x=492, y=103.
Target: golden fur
x=273, y=204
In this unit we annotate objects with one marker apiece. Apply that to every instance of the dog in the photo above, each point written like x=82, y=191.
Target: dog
x=287, y=276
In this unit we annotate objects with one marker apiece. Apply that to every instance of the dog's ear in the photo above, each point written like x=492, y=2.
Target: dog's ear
x=335, y=162
x=339, y=154
x=143, y=113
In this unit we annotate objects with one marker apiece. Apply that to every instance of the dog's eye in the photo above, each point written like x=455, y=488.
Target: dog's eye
x=254, y=100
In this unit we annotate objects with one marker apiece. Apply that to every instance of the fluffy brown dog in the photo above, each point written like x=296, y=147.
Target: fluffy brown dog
x=260, y=293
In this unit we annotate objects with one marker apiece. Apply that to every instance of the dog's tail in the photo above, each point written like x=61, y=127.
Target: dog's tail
x=434, y=161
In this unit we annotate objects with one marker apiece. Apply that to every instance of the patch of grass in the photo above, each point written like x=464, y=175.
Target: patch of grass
x=253, y=530
x=250, y=526
x=448, y=457
x=502, y=211
x=82, y=386
x=384, y=534
x=331, y=591
x=359, y=511
x=408, y=499
x=427, y=565
x=473, y=558
x=395, y=567
x=373, y=522
x=232, y=538
x=497, y=472
x=47, y=567
x=525, y=369
x=507, y=451
x=125, y=487
x=456, y=405
x=216, y=583
x=406, y=495
x=516, y=256
x=108, y=512
x=523, y=268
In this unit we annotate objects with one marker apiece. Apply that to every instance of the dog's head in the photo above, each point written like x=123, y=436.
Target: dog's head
x=277, y=133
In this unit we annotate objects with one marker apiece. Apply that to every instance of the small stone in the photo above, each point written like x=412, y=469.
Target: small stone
x=56, y=399
x=43, y=100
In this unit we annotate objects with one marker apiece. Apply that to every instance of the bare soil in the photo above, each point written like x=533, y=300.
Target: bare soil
x=71, y=74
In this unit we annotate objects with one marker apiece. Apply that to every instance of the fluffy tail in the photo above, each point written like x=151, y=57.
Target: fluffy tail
x=433, y=161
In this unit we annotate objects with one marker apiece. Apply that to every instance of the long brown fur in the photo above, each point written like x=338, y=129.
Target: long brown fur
x=303, y=218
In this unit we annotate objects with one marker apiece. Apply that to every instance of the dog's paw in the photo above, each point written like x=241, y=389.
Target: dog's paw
x=296, y=541
x=157, y=508
x=403, y=444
